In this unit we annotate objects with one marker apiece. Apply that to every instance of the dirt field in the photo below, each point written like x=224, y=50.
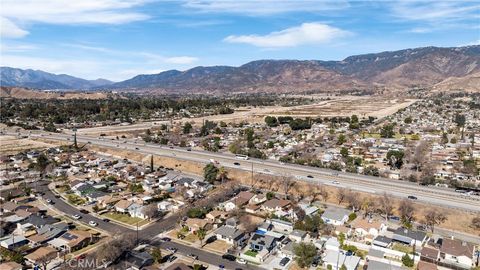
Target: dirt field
x=12, y=145
x=337, y=106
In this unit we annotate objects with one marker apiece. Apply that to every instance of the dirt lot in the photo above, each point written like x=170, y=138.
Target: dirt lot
x=337, y=106
x=12, y=144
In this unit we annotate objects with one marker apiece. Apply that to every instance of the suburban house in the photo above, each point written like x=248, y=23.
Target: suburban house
x=429, y=254
x=456, y=252
x=72, y=240
x=298, y=235
x=13, y=242
x=409, y=237
x=41, y=254
x=122, y=206
x=335, y=216
x=231, y=234
x=337, y=258
x=194, y=224
x=368, y=228
x=281, y=225
x=274, y=205
x=382, y=241
x=260, y=242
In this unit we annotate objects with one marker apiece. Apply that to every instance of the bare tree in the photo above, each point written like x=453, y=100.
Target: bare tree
x=151, y=211
x=353, y=200
x=367, y=206
x=341, y=195
x=287, y=184
x=385, y=205
x=407, y=211
x=433, y=218
x=420, y=154
x=475, y=223
x=324, y=193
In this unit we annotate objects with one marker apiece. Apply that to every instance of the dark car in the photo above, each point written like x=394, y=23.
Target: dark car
x=83, y=211
x=166, y=239
x=106, y=220
x=236, y=164
x=136, y=148
x=284, y=261
x=309, y=176
x=211, y=239
x=188, y=149
x=172, y=258
x=412, y=197
x=229, y=257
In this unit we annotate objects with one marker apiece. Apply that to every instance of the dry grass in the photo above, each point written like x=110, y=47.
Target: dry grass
x=218, y=246
x=12, y=145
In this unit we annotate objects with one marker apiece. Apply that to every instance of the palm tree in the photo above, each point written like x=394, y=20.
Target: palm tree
x=201, y=233
x=222, y=173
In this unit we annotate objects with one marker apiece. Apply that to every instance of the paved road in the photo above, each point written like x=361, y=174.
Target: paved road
x=402, y=189
x=204, y=256
x=147, y=235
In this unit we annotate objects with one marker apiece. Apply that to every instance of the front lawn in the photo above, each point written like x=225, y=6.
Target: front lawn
x=75, y=199
x=402, y=248
x=251, y=253
x=125, y=218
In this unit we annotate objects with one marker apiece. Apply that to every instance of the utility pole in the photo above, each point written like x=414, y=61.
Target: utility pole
x=137, y=233
x=252, y=173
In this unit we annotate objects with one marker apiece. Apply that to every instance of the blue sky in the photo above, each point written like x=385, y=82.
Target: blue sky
x=117, y=39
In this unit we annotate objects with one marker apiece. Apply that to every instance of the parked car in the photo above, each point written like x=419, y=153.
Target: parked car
x=284, y=261
x=106, y=220
x=193, y=256
x=172, y=249
x=309, y=176
x=229, y=257
x=241, y=261
x=166, y=239
x=336, y=182
x=83, y=211
x=236, y=164
x=172, y=258
x=412, y=197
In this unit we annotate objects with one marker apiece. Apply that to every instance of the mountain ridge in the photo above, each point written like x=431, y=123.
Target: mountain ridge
x=419, y=67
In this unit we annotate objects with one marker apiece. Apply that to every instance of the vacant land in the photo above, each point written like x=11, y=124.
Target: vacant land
x=363, y=106
x=12, y=145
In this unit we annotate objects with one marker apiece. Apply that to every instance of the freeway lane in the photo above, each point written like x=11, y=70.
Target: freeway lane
x=401, y=189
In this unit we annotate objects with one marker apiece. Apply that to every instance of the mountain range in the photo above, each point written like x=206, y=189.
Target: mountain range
x=429, y=67
x=38, y=79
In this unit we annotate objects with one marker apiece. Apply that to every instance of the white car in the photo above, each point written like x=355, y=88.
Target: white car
x=76, y=216
x=241, y=261
x=92, y=223
x=336, y=182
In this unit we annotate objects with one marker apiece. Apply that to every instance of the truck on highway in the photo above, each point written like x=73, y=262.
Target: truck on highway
x=244, y=157
x=214, y=161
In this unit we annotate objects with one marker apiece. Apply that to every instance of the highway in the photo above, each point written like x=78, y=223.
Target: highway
x=375, y=185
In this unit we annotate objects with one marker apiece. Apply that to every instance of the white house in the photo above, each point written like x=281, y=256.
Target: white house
x=335, y=216
x=457, y=253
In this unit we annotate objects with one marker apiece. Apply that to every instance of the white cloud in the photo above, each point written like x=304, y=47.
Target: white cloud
x=473, y=43
x=265, y=7
x=69, y=12
x=435, y=11
x=9, y=30
x=307, y=33
x=181, y=60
